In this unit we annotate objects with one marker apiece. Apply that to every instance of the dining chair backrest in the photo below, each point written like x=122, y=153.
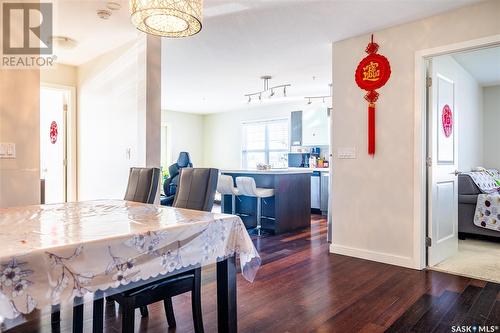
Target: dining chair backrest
x=142, y=185
x=196, y=189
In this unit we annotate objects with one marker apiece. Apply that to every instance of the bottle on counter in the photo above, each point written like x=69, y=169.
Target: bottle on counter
x=312, y=162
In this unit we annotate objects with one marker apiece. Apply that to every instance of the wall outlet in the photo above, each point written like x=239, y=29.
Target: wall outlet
x=7, y=150
x=346, y=153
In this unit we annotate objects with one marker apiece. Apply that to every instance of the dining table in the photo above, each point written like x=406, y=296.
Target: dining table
x=57, y=255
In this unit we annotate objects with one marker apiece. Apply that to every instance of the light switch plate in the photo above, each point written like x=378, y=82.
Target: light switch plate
x=7, y=150
x=346, y=153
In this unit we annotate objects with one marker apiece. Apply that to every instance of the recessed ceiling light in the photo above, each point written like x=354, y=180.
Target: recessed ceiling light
x=113, y=5
x=63, y=42
x=103, y=13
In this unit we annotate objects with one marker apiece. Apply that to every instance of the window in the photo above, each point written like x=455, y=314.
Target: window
x=265, y=142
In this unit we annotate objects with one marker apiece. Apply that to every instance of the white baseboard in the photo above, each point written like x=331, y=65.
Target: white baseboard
x=385, y=258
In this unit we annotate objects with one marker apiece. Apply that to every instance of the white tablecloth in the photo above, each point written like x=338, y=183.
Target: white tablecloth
x=50, y=254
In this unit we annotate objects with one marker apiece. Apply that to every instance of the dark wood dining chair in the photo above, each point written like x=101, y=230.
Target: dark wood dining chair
x=142, y=187
x=196, y=190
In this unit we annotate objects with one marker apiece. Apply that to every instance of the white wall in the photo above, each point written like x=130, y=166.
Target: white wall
x=469, y=108
x=186, y=134
x=373, y=198
x=222, y=139
x=492, y=127
x=117, y=128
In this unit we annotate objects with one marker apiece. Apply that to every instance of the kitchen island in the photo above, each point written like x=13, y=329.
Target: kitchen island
x=289, y=209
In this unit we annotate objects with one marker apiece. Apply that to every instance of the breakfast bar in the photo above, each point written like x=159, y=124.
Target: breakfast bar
x=289, y=208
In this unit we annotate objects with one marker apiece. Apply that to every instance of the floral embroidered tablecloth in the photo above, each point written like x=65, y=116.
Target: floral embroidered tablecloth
x=50, y=254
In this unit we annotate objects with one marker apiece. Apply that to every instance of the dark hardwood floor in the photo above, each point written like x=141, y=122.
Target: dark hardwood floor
x=302, y=288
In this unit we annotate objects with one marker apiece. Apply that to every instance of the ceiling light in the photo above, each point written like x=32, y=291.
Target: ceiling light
x=167, y=18
x=266, y=88
x=323, y=97
x=113, y=5
x=64, y=43
x=103, y=14
x=249, y=99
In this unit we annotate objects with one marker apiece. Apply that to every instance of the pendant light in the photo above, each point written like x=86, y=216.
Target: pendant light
x=167, y=18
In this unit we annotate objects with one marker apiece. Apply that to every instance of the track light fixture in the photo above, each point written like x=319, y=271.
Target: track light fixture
x=267, y=89
x=323, y=97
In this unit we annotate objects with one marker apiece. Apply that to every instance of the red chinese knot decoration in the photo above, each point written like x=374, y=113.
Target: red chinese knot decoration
x=53, y=132
x=372, y=73
x=447, y=120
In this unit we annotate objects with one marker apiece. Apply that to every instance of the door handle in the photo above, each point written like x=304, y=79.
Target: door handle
x=456, y=173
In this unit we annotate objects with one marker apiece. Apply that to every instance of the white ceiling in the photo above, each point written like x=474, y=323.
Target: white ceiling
x=240, y=41
x=78, y=20
x=483, y=65
x=290, y=40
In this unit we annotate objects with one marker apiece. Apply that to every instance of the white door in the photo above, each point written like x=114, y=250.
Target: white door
x=53, y=144
x=443, y=163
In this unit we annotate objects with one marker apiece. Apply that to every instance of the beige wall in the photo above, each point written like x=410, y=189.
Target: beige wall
x=19, y=124
x=372, y=199
x=60, y=74
x=492, y=127
x=186, y=133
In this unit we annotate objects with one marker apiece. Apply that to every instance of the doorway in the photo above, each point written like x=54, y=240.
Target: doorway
x=462, y=94
x=57, y=144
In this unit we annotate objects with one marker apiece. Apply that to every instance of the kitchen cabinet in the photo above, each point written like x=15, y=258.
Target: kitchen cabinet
x=296, y=128
x=315, y=123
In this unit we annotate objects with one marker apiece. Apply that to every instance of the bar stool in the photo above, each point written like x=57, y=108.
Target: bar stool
x=246, y=186
x=225, y=187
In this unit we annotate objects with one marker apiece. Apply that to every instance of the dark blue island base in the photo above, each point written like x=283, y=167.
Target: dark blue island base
x=289, y=209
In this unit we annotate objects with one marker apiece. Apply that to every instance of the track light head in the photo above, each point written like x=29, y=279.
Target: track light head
x=249, y=99
x=284, y=91
x=272, y=93
x=309, y=102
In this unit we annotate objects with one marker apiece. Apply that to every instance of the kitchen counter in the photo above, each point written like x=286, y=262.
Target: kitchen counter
x=312, y=169
x=287, y=171
x=288, y=209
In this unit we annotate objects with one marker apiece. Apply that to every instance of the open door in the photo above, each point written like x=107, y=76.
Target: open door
x=53, y=173
x=442, y=164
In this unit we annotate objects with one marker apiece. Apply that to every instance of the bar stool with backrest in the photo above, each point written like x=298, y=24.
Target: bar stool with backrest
x=225, y=186
x=246, y=186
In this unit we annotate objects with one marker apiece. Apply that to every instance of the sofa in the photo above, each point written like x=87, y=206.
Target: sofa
x=467, y=200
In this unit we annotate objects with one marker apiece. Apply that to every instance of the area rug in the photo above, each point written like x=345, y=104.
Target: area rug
x=476, y=259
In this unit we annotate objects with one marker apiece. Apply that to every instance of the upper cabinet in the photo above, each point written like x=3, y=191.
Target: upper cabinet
x=296, y=128
x=315, y=123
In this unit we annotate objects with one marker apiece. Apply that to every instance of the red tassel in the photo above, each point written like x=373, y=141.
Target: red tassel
x=371, y=129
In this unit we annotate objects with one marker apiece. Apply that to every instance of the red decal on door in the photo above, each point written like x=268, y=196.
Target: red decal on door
x=447, y=120
x=53, y=132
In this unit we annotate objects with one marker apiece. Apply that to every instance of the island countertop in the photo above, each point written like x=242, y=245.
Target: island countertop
x=288, y=171
x=288, y=209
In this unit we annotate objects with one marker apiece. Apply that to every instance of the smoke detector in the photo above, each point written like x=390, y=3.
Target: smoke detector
x=104, y=14
x=63, y=42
